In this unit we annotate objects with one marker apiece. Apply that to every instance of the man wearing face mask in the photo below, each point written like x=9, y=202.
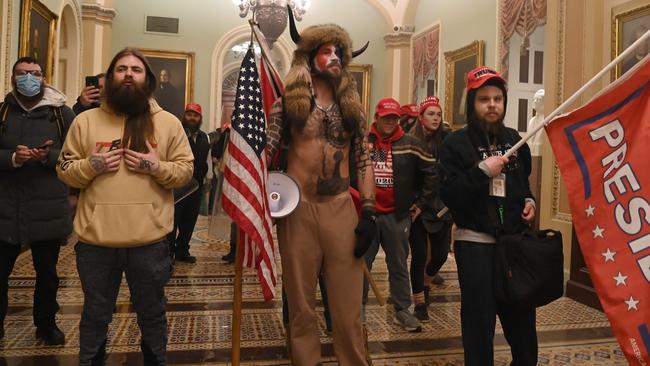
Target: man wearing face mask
x=187, y=211
x=35, y=211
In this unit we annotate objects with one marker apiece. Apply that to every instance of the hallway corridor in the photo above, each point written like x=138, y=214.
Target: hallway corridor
x=199, y=315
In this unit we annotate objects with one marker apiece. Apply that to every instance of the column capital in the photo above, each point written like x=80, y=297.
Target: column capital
x=97, y=13
x=398, y=40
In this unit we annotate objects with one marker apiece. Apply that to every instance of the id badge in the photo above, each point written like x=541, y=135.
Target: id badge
x=498, y=186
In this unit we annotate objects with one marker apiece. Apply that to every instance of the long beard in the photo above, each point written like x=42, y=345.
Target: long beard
x=130, y=100
x=193, y=127
x=492, y=129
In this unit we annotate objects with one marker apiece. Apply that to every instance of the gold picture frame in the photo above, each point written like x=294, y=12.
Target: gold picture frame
x=457, y=63
x=37, y=31
x=362, y=74
x=625, y=30
x=172, y=95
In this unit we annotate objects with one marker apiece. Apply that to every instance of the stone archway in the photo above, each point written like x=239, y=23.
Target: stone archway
x=68, y=65
x=219, y=70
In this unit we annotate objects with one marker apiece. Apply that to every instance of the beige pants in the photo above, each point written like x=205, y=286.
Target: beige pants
x=320, y=237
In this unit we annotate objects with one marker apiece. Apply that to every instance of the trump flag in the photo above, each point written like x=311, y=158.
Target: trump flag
x=603, y=152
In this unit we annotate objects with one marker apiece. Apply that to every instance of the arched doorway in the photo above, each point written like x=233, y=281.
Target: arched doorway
x=67, y=74
x=224, y=61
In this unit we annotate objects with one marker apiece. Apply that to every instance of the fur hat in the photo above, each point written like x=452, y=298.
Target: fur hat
x=298, y=85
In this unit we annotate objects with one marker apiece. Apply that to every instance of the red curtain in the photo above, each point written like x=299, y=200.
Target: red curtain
x=425, y=57
x=521, y=16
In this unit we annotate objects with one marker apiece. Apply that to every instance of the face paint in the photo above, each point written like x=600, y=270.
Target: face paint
x=327, y=58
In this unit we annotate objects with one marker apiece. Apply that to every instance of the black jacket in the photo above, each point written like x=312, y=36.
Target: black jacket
x=200, y=150
x=430, y=218
x=34, y=201
x=415, y=177
x=465, y=187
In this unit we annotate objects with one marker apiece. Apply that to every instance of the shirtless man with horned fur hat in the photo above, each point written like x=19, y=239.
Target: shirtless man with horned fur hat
x=321, y=124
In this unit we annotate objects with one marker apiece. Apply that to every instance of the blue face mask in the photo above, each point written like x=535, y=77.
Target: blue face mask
x=28, y=84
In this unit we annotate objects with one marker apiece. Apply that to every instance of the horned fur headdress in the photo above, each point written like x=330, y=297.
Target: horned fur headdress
x=298, y=87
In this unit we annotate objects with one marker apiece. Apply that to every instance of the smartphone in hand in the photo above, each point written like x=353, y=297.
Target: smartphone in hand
x=92, y=81
x=45, y=145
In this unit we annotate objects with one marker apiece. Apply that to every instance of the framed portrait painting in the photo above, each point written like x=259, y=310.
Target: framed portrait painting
x=458, y=63
x=362, y=75
x=627, y=27
x=175, y=74
x=37, y=31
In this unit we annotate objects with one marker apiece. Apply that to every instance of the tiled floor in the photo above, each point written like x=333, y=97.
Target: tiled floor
x=200, y=308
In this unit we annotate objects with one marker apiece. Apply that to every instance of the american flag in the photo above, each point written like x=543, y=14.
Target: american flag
x=245, y=172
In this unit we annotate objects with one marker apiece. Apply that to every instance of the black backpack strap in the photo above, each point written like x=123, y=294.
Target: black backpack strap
x=4, y=112
x=60, y=124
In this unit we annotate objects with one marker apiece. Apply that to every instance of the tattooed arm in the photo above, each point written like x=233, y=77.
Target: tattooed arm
x=365, y=174
x=274, y=132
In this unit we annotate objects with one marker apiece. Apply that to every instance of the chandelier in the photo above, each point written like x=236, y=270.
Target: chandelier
x=271, y=15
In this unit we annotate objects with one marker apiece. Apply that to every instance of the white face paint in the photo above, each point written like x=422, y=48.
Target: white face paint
x=326, y=60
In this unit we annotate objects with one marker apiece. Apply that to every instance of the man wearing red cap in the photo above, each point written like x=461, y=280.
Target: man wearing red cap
x=187, y=210
x=408, y=118
x=406, y=182
x=487, y=195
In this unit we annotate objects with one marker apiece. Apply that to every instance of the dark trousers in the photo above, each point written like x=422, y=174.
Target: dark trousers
x=439, y=242
x=147, y=270
x=186, y=213
x=45, y=255
x=478, y=310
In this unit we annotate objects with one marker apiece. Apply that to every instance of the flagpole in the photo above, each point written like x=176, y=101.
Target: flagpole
x=580, y=91
x=237, y=300
x=263, y=45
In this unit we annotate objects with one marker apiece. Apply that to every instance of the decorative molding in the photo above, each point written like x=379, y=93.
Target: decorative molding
x=98, y=13
x=398, y=40
x=7, y=45
x=559, y=98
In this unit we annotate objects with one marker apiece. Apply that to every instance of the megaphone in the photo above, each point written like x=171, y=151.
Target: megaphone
x=283, y=194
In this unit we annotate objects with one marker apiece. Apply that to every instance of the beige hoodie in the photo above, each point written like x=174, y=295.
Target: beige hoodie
x=124, y=208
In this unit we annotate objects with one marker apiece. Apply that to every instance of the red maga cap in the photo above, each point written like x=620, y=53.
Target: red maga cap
x=410, y=109
x=477, y=77
x=387, y=106
x=430, y=101
x=194, y=107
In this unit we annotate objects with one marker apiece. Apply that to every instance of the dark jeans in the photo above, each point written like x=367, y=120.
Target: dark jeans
x=439, y=243
x=478, y=310
x=147, y=270
x=45, y=255
x=186, y=213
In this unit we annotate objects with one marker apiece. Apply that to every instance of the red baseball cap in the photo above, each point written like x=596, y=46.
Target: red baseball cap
x=430, y=101
x=194, y=107
x=410, y=109
x=477, y=77
x=387, y=106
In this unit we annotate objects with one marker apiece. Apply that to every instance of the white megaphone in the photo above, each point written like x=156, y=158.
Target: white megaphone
x=283, y=194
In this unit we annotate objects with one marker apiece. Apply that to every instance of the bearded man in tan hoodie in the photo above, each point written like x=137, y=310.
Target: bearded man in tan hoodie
x=125, y=157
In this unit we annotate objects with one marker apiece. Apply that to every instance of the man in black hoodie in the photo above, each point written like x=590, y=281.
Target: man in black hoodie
x=487, y=194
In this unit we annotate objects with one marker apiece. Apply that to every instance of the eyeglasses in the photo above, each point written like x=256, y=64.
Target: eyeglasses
x=36, y=73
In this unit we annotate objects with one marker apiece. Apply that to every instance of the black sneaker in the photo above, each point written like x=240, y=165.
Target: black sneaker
x=186, y=258
x=52, y=336
x=229, y=258
x=421, y=312
x=2, y=330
